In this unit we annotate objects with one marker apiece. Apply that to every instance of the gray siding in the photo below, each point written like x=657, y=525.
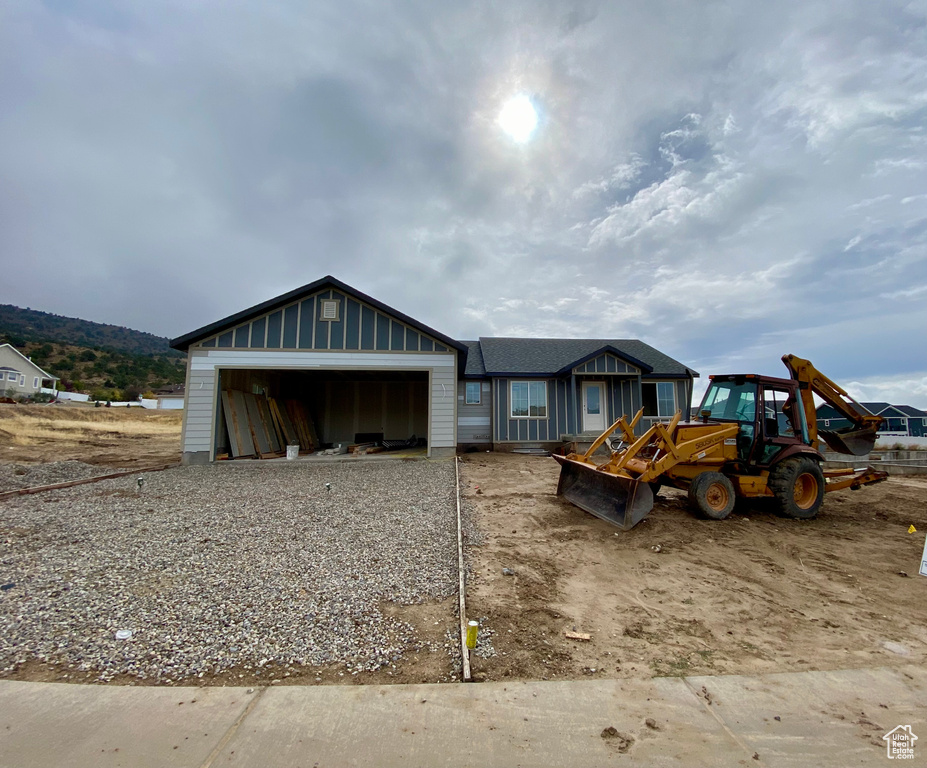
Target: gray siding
x=299, y=326
x=564, y=414
x=474, y=422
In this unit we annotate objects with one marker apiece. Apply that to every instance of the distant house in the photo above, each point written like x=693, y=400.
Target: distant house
x=898, y=420
x=19, y=374
x=363, y=369
x=170, y=397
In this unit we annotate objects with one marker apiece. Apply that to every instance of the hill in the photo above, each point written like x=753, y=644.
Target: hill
x=26, y=325
x=92, y=357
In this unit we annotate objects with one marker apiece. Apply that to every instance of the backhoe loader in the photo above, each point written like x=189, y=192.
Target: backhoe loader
x=756, y=437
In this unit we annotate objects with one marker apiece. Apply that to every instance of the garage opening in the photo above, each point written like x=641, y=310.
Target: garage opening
x=344, y=410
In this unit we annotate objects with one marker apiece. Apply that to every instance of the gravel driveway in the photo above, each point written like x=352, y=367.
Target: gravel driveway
x=221, y=567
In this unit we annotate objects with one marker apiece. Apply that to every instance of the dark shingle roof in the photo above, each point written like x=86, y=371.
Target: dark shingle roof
x=475, y=365
x=549, y=356
x=876, y=408
x=910, y=410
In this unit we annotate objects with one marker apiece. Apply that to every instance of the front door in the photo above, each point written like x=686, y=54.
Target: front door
x=593, y=406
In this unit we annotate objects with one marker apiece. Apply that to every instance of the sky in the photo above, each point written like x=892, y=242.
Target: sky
x=727, y=181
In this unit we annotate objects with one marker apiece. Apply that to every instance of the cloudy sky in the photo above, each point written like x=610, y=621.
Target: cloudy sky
x=726, y=181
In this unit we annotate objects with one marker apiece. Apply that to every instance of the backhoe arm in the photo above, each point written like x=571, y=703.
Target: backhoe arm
x=859, y=438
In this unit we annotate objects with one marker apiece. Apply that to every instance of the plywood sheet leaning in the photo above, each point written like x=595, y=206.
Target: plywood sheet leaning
x=301, y=420
x=273, y=434
x=236, y=420
x=283, y=422
x=258, y=430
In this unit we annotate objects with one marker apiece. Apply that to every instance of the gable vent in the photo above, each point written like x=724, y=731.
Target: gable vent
x=329, y=309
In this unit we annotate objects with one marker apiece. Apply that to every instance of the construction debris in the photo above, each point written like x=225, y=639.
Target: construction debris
x=262, y=427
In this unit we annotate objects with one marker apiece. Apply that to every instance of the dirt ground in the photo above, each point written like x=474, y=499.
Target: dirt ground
x=678, y=595
x=112, y=437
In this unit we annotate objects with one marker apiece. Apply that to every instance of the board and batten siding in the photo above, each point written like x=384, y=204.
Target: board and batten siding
x=300, y=325
x=204, y=363
x=474, y=422
x=623, y=396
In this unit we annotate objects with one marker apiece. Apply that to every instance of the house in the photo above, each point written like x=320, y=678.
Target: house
x=21, y=376
x=365, y=369
x=898, y=420
x=170, y=397
x=542, y=392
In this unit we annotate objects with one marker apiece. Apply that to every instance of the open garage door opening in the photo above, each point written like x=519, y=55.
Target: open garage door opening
x=260, y=412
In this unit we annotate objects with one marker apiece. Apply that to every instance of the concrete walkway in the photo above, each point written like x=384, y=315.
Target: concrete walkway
x=796, y=719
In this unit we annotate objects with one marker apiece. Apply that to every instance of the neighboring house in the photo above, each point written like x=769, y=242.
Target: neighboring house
x=20, y=374
x=363, y=368
x=170, y=397
x=898, y=420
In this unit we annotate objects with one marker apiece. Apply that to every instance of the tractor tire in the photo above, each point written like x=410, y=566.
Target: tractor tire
x=798, y=487
x=711, y=494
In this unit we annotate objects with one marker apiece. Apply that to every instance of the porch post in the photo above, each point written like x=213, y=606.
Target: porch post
x=575, y=404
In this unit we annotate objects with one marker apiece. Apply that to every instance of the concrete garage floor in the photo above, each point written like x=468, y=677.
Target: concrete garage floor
x=795, y=719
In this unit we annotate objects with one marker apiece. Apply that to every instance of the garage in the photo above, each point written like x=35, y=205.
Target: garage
x=360, y=369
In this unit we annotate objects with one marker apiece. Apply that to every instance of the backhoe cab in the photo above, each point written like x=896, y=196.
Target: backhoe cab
x=756, y=436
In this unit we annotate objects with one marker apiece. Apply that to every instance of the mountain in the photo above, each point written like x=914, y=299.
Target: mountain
x=90, y=356
x=31, y=325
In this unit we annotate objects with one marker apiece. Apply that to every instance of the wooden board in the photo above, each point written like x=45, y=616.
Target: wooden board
x=258, y=431
x=283, y=422
x=273, y=435
x=236, y=419
x=300, y=418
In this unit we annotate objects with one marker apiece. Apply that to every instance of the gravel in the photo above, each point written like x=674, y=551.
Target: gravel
x=226, y=567
x=14, y=475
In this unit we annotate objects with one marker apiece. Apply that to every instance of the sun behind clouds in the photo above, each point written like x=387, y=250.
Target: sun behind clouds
x=519, y=118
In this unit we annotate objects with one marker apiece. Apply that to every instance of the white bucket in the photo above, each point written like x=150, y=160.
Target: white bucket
x=292, y=451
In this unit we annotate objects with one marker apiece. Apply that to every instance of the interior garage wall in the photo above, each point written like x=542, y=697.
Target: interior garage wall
x=398, y=409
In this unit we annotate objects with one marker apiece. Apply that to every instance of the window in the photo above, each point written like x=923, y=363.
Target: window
x=12, y=376
x=529, y=399
x=22, y=380
x=329, y=310
x=473, y=393
x=659, y=399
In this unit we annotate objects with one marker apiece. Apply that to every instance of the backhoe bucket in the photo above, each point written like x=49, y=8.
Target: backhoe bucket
x=854, y=442
x=619, y=500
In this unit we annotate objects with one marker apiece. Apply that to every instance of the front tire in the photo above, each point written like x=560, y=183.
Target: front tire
x=798, y=487
x=711, y=494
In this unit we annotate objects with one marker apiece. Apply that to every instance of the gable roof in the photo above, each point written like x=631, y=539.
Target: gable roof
x=910, y=410
x=538, y=357
x=475, y=365
x=183, y=343
x=44, y=374
x=876, y=408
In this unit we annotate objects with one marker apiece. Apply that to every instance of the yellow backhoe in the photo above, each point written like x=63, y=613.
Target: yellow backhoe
x=756, y=437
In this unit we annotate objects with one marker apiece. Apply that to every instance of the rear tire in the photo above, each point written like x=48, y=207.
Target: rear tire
x=711, y=494
x=798, y=487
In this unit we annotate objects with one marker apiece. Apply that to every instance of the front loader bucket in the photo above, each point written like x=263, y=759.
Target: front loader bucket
x=854, y=442
x=617, y=499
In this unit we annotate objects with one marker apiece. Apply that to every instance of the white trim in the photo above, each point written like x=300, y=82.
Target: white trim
x=546, y=415
x=473, y=421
